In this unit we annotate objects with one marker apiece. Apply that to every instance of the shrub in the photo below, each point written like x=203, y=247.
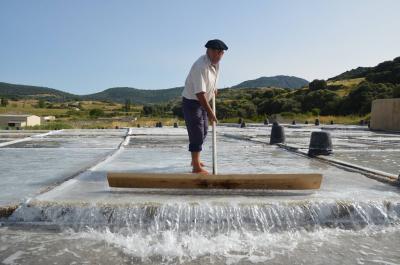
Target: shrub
x=95, y=113
x=317, y=85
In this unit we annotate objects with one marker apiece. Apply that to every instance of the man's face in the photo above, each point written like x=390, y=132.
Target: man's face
x=215, y=55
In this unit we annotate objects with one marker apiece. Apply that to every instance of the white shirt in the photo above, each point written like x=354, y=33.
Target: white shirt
x=203, y=77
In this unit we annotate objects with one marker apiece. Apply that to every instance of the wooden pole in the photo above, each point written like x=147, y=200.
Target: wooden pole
x=214, y=139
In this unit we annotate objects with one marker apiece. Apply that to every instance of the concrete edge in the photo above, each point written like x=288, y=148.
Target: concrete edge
x=368, y=172
x=384, y=131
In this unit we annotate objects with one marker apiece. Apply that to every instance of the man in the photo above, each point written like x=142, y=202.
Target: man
x=200, y=87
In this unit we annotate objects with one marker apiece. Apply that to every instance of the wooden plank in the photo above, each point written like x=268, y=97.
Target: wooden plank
x=227, y=181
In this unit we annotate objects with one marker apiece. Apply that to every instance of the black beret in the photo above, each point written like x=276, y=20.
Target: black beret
x=216, y=44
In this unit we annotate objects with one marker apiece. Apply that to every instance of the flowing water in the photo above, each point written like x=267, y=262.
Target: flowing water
x=351, y=220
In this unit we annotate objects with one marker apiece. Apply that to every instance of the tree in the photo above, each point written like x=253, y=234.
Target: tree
x=251, y=110
x=177, y=110
x=396, y=91
x=225, y=110
x=359, y=100
x=95, y=113
x=4, y=102
x=325, y=100
x=41, y=104
x=156, y=109
x=386, y=72
x=316, y=111
x=127, y=106
x=317, y=85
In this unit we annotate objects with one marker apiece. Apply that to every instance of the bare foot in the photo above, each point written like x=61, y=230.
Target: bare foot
x=201, y=164
x=200, y=171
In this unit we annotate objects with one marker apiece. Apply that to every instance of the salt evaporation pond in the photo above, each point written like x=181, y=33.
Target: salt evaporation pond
x=39, y=160
x=352, y=219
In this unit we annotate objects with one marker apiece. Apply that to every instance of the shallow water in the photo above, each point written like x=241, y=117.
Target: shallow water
x=40, y=161
x=350, y=220
x=372, y=245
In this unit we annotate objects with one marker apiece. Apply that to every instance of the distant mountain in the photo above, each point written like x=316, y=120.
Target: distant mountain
x=24, y=91
x=281, y=81
x=138, y=96
x=116, y=94
x=385, y=72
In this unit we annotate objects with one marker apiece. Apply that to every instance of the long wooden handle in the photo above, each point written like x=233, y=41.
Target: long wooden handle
x=214, y=140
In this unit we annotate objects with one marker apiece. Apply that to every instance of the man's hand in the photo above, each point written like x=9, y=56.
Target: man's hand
x=212, y=117
x=216, y=92
x=203, y=102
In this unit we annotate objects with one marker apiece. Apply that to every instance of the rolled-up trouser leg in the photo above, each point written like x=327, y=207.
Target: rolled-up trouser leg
x=196, y=123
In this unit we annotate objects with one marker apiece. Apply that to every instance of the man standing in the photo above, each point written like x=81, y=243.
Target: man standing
x=200, y=87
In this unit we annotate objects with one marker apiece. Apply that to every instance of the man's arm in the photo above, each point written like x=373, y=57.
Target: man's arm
x=203, y=102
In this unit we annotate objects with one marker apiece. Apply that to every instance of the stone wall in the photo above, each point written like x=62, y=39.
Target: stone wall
x=385, y=114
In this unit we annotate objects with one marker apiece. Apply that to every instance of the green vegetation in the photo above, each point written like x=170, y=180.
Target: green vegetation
x=41, y=104
x=137, y=96
x=385, y=72
x=14, y=92
x=158, y=110
x=317, y=85
x=116, y=94
x=95, y=113
x=3, y=102
x=396, y=92
x=51, y=126
x=345, y=98
x=127, y=105
x=133, y=95
x=352, y=74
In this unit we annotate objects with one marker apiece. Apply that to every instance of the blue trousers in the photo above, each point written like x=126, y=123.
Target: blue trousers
x=196, y=123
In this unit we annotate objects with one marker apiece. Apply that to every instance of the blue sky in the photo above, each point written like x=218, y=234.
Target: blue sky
x=87, y=46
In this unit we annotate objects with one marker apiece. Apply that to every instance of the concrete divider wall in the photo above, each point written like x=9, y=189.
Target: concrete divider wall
x=385, y=114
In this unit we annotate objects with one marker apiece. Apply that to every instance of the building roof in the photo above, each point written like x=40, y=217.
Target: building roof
x=17, y=115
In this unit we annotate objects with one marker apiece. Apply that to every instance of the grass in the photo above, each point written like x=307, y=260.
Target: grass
x=68, y=118
x=347, y=82
x=29, y=107
x=56, y=125
x=302, y=118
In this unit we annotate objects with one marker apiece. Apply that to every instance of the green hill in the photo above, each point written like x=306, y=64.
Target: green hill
x=280, y=81
x=359, y=72
x=341, y=95
x=385, y=72
x=116, y=94
x=24, y=91
x=350, y=93
x=138, y=96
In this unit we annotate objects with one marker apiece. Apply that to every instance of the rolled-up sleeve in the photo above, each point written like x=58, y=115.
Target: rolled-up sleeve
x=199, y=77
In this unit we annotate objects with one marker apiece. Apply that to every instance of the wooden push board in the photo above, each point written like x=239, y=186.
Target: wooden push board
x=226, y=181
